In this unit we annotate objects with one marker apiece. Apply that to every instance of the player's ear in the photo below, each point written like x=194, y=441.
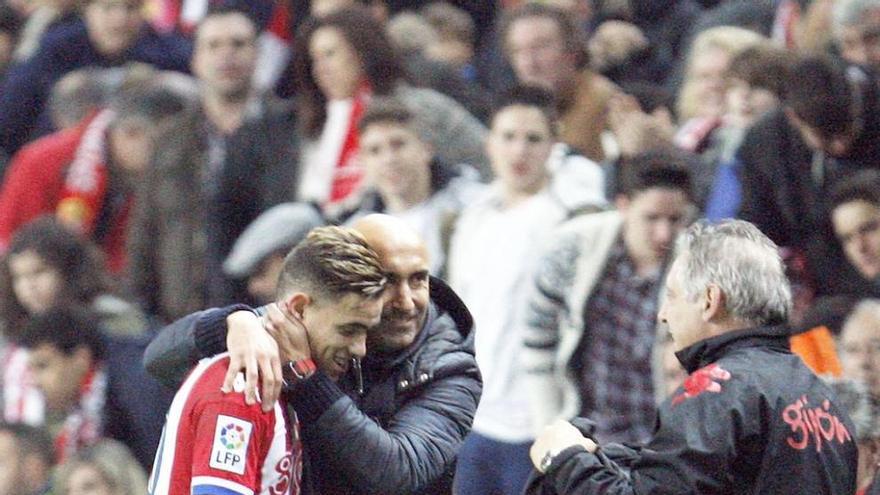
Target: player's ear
x=294, y=305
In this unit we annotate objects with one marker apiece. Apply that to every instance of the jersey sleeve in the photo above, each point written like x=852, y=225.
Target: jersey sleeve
x=231, y=442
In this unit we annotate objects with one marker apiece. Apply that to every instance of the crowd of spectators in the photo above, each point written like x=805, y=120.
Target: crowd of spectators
x=160, y=157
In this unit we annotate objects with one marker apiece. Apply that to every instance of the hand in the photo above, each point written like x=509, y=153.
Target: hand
x=557, y=437
x=614, y=42
x=252, y=349
x=290, y=334
x=636, y=131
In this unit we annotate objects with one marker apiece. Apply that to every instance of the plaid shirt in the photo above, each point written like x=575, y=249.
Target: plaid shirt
x=613, y=360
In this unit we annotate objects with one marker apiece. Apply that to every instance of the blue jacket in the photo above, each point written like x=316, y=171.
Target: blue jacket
x=26, y=88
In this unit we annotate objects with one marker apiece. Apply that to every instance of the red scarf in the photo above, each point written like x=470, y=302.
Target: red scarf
x=349, y=174
x=83, y=427
x=85, y=188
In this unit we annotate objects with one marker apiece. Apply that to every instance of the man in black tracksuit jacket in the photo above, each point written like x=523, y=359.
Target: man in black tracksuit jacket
x=750, y=418
x=396, y=428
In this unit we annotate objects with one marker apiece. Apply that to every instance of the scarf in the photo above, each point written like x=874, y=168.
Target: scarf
x=83, y=427
x=22, y=401
x=84, y=194
x=348, y=173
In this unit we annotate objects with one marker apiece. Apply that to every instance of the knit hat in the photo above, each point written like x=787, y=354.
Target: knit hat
x=278, y=228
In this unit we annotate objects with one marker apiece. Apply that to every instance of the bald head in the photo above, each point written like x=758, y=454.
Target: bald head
x=385, y=234
x=404, y=256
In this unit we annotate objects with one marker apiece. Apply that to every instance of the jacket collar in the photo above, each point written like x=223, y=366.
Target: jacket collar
x=709, y=350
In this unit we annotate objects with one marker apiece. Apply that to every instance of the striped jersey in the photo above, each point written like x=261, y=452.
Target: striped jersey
x=215, y=444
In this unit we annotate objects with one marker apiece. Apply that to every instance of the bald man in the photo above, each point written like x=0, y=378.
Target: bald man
x=396, y=422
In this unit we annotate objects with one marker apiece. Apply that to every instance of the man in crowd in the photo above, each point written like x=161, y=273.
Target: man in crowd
x=258, y=254
x=828, y=129
x=856, y=31
x=492, y=255
x=592, y=314
x=747, y=419
x=394, y=427
x=407, y=179
x=87, y=175
x=26, y=459
x=112, y=33
x=543, y=45
x=178, y=241
x=217, y=443
x=91, y=387
x=855, y=217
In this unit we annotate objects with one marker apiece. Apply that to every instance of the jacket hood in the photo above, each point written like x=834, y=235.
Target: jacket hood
x=709, y=350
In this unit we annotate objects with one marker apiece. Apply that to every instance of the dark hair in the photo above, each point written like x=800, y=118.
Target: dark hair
x=381, y=64
x=864, y=186
x=66, y=329
x=332, y=261
x=650, y=96
x=763, y=66
x=571, y=35
x=30, y=440
x=450, y=21
x=153, y=100
x=10, y=21
x=228, y=7
x=383, y=110
x=528, y=96
x=664, y=169
x=818, y=91
x=79, y=263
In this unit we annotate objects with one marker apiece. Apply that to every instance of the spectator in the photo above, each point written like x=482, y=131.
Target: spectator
x=78, y=95
x=859, y=345
x=739, y=422
x=87, y=175
x=258, y=253
x=793, y=158
x=331, y=282
x=457, y=38
x=865, y=413
x=348, y=60
x=755, y=84
x=45, y=16
x=592, y=312
x=91, y=387
x=111, y=34
x=178, y=241
x=48, y=266
x=856, y=31
x=106, y=468
x=621, y=52
x=420, y=382
x=26, y=459
x=545, y=49
x=10, y=25
x=490, y=257
x=855, y=217
x=407, y=180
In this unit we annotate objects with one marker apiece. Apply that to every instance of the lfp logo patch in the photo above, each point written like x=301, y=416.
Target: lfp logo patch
x=231, y=438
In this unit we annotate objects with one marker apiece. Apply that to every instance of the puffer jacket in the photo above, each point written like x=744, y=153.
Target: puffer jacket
x=400, y=434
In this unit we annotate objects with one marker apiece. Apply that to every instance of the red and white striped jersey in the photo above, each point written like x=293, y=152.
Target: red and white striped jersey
x=215, y=444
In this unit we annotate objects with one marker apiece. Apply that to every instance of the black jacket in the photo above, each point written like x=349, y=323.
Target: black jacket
x=401, y=435
x=743, y=422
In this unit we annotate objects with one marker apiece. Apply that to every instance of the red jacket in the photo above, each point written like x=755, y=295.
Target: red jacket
x=34, y=182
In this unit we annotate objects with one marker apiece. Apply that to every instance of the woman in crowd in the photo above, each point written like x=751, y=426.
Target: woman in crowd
x=107, y=468
x=345, y=61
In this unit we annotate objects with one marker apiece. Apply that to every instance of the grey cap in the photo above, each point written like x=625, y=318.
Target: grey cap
x=278, y=228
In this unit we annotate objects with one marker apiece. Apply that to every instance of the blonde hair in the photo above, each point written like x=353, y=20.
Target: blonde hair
x=112, y=460
x=729, y=39
x=332, y=261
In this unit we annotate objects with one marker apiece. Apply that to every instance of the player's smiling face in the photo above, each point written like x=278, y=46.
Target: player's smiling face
x=337, y=330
